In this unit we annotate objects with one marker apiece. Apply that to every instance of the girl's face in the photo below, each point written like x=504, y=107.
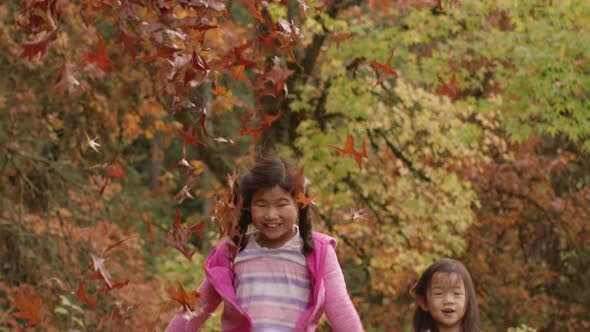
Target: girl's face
x=446, y=300
x=273, y=213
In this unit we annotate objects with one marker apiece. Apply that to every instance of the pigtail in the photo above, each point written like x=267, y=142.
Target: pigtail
x=305, y=229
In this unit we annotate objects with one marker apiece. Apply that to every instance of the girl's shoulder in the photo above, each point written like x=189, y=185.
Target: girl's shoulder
x=323, y=239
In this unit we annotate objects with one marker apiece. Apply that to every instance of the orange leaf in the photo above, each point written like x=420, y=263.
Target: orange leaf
x=187, y=300
x=303, y=200
x=28, y=305
x=384, y=70
x=349, y=149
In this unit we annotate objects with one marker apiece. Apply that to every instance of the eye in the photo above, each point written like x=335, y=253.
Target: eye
x=458, y=293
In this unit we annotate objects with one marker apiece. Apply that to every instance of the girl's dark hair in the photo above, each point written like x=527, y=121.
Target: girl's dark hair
x=422, y=320
x=266, y=174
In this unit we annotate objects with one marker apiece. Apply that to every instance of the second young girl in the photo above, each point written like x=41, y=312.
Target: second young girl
x=446, y=299
x=284, y=276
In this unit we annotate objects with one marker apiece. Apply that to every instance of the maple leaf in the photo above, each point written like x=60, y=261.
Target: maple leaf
x=28, y=306
x=237, y=72
x=302, y=199
x=40, y=46
x=384, y=70
x=256, y=132
x=178, y=238
x=349, y=149
x=113, y=170
x=101, y=58
x=128, y=44
x=338, y=37
x=68, y=82
x=219, y=90
x=277, y=76
x=81, y=293
x=449, y=89
x=189, y=137
x=186, y=299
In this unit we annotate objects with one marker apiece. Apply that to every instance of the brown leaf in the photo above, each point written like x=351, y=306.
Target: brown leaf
x=40, y=46
x=187, y=300
x=28, y=306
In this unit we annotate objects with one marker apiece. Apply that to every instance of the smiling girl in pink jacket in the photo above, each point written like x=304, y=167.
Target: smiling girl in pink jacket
x=284, y=277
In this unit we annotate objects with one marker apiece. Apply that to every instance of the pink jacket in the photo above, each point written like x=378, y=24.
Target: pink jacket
x=329, y=293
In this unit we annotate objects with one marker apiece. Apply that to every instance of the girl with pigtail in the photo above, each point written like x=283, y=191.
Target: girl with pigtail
x=284, y=276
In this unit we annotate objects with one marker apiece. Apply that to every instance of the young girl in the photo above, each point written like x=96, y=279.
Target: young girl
x=446, y=299
x=284, y=276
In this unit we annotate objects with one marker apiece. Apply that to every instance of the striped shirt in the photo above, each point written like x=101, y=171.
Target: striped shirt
x=273, y=285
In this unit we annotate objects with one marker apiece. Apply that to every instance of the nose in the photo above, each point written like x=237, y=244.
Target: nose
x=448, y=298
x=270, y=213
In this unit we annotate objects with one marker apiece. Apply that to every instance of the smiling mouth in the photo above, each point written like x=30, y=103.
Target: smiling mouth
x=448, y=311
x=271, y=225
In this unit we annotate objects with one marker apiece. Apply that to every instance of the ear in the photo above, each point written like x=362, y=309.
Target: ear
x=422, y=302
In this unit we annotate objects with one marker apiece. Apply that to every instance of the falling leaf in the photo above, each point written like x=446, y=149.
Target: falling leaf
x=98, y=264
x=384, y=70
x=81, y=293
x=349, y=149
x=302, y=199
x=186, y=299
x=92, y=142
x=177, y=219
x=449, y=89
x=31, y=49
x=68, y=82
x=28, y=306
x=189, y=137
x=101, y=58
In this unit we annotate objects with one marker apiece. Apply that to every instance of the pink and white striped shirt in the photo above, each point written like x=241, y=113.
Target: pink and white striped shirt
x=273, y=285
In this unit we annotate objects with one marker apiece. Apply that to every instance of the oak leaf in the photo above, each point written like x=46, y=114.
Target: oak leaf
x=28, y=306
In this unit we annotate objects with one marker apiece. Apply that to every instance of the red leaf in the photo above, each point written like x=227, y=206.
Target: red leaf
x=189, y=137
x=252, y=8
x=449, y=89
x=28, y=306
x=40, y=46
x=82, y=295
x=128, y=43
x=116, y=170
x=101, y=58
x=349, y=149
x=384, y=70
x=178, y=239
x=177, y=219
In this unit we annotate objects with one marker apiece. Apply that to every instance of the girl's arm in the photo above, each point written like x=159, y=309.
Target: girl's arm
x=206, y=305
x=340, y=311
